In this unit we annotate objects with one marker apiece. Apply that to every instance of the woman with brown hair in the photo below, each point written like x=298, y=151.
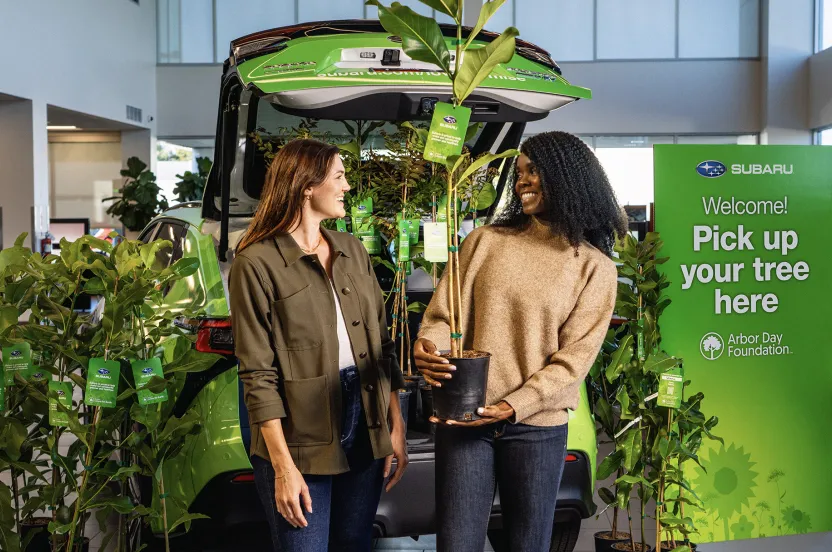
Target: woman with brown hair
x=318, y=367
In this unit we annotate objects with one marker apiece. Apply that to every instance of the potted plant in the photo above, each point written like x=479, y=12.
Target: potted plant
x=422, y=40
x=191, y=186
x=139, y=198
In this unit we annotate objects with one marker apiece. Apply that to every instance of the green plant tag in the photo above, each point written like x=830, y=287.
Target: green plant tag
x=17, y=359
x=671, y=387
x=436, y=242
x=640, y=337
x=39, y=375
x=412, y=228
x=102, y=382
x=362, y=209
x=447, y=132
x=64, y=392
x=341, y=225
x=479, y=222
x=364, y=230
x=143, y=372
x=2, y=398
x=404, y=240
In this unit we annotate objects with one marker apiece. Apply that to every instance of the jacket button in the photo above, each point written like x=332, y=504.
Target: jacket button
x=362, y=355
x=369, y=387
x=356, y=322
x=346, y=291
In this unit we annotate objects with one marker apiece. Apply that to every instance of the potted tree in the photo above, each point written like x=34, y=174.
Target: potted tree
x=191, y=185
x=422, y=40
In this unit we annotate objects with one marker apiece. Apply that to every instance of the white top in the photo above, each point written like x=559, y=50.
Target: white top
x=345, y=356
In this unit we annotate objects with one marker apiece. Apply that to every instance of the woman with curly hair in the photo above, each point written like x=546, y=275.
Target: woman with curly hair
x=539, y=288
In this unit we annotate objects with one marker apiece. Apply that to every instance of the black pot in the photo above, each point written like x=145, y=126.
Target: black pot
x=605, y=544
x=404, y=401
x=459, y=398
x=426, y=399
x=42, y=541
x=667, y=546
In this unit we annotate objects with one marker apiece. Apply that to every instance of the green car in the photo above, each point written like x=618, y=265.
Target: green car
x=331, y=71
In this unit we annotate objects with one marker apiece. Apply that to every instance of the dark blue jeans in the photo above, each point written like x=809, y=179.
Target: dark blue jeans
x=526, y=462
x=344, y=505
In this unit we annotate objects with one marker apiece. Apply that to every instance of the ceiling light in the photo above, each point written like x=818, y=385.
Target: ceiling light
x=61, y=127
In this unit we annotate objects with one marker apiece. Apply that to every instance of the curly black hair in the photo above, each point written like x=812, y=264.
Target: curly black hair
x=580, y=202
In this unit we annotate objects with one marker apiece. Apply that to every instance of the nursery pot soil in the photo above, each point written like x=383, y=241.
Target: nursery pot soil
x=459, y=397
x=42, y=541
x=625, y=547
x=605, y=539
x=668, y=546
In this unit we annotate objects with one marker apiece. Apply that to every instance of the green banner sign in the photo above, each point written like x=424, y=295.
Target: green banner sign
x=747, y=232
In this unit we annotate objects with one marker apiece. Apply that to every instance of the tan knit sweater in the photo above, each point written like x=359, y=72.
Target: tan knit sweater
x=541, y=312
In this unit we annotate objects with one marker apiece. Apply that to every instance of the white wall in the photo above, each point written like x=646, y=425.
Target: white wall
x=820, y=89
x=92, y=56
x=188, y=99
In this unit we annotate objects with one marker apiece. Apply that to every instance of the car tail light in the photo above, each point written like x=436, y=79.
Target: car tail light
x=571, y=458
x=243, y=478
x=214, y=336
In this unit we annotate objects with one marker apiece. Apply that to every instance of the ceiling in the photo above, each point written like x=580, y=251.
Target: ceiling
x=65, y=117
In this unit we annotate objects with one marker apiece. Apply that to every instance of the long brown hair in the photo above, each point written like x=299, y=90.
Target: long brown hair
x=300, y=164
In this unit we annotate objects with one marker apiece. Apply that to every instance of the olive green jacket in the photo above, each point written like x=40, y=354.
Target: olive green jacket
x=286, y=339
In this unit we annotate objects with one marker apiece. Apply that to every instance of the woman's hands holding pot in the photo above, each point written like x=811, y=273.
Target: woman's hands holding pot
x=433, y=367
x=488, y=415
x=289, y=490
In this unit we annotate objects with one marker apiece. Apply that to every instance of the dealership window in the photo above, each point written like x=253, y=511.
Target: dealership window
x=636, y=29
x=719, y=28
x=824, y=137
x=185, y=31
x=628, y=160
x=824, y=24
x=570, y=39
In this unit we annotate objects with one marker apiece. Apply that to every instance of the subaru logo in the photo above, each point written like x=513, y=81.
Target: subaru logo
x=449, y=119
x=362, y=208
x=104, y=372
x=711, y=169
x=37, y=375
x=17, y=354
x=147, y=371
x=60, y=393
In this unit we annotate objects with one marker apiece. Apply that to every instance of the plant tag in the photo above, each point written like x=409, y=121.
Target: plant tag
x=17, y=359
x=364, y=231
x=447, y=132
x=413, y=230
x=479, y=222
x=341, y=225
x=363, y=209
x=671, y=387
x=143, y=372
x=102, y=382
x=404, y=240
x=2, y=398
x=441, y=213
x=436, y=242
x=64, y=392
x=640, y=337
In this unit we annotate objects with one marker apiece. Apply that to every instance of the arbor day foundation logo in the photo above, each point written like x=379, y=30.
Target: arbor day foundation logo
x=712, y=346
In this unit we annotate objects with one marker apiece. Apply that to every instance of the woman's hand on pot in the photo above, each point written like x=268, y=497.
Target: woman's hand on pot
x=433, y=367
x=488, y=415
x=289, y=491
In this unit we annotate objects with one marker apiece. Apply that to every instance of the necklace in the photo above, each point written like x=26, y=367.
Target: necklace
x=317, y=245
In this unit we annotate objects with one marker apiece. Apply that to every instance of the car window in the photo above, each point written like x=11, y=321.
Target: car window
x=149, y=232
x=174, y=233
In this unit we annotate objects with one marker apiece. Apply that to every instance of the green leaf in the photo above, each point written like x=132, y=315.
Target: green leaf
x=185, y=266
x=121, y=504
x=624, y=400
x=660, y=363
x=350, y=147
x=186, y=519
x=448, y=7
x=473, y=128
x=486, y=197
x=484, y=160
x=634, y=480
x=606, y=495
x=487, y=10
x=621, y=356
x=417, y=307
x=603, y=410
x=148, y=251
x=8, y=318
x=421, y=36
x=192, y=361
x=631, y=446
x=610, y=465
x=479, y=63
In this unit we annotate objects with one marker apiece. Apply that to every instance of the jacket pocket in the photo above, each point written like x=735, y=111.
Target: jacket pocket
x=365, y=288
x=298, y=325
x=308, y=418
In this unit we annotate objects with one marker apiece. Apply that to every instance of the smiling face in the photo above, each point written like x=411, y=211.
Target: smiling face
x=326, y=201
x=529, y=187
